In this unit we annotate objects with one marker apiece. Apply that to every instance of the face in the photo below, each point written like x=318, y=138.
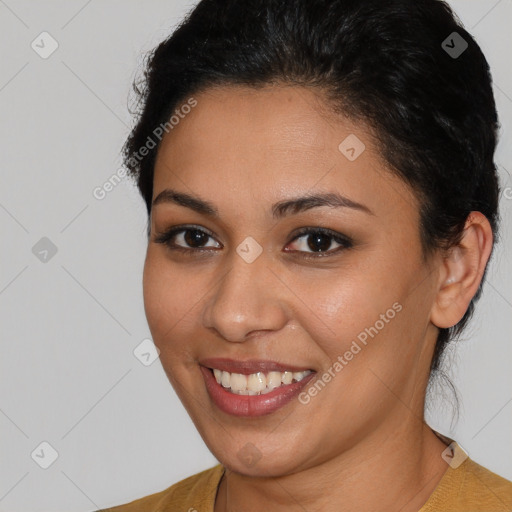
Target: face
x=242, y=275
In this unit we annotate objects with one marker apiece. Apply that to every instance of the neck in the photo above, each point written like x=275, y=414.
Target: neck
x=393, y=469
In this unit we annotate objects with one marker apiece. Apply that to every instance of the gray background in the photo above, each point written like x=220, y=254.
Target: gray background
x=69, y=325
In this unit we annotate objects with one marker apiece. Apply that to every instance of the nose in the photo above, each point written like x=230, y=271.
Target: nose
x=248, y=298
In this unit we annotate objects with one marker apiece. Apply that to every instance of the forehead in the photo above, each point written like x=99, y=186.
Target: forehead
x=264, y=144
x=278, y=117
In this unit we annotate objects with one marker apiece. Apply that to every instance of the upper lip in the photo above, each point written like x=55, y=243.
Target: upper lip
x=249, y=366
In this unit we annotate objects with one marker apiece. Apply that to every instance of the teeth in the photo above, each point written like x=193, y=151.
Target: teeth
x=273, y=380
x=256, y=383
x=225, y=379
x=238, y=382
x=287, y=377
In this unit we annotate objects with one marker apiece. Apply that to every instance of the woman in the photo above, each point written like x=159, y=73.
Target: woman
x=323, y=204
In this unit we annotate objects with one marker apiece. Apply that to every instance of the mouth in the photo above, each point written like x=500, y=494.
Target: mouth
x=252, y=388
x=256, y=383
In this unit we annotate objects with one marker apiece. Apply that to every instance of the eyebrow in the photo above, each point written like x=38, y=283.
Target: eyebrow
x=281, y=209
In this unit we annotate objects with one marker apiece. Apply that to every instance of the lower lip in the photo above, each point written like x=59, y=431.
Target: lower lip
x=251, y=405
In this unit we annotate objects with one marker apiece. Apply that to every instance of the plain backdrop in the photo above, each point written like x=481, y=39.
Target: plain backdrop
x=71, y=310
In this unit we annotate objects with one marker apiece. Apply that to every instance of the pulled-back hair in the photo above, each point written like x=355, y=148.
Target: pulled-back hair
x=386, y=64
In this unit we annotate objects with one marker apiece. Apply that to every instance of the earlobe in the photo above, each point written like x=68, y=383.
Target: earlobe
x=461, y=271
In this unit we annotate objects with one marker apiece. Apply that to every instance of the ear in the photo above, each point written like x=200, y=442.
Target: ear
x=461, y=271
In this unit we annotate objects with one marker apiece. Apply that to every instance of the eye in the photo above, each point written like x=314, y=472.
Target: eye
x=186, y=239
x=310, y=242
x=318, y=242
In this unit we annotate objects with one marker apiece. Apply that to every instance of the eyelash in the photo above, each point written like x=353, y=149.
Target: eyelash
x=344, y=241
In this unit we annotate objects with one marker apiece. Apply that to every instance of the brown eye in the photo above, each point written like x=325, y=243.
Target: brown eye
x=195, y=237
x=320, y=241
x=186, y=239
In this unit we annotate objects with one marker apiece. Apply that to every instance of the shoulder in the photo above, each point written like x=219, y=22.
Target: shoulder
x=485, y=488
x=470, y=487
x=195, y=493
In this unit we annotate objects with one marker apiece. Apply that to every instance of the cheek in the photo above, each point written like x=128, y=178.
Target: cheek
x=346, y=304
x=169, y=299
x=156, y=296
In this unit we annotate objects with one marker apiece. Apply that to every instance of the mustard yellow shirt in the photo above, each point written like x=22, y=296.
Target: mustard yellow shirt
x=468, y=487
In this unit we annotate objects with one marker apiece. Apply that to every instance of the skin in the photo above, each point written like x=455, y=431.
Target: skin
x=361, y=443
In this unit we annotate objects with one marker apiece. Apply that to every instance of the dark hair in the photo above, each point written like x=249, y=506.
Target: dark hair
x=393, y=65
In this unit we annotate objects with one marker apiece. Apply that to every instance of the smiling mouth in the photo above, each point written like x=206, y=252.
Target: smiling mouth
x=253, y=387
x=259, y=383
